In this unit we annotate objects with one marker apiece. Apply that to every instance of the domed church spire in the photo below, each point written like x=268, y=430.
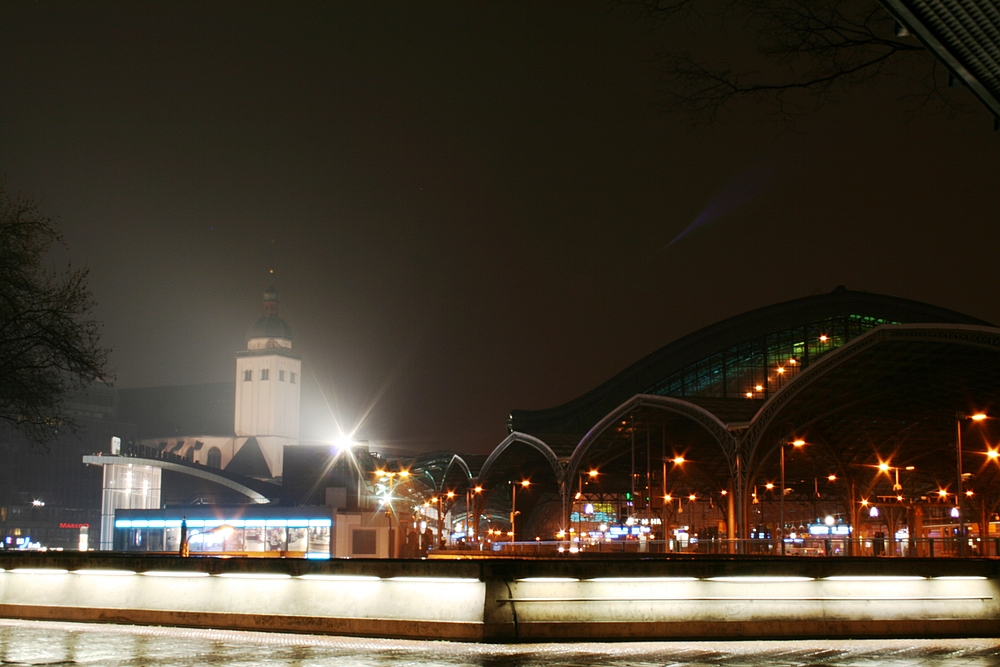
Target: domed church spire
x=270, y=328
x=268, y=377
x=271, y=297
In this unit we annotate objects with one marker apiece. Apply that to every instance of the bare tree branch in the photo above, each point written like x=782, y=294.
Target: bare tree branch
x=810, y=50
x=49, y=342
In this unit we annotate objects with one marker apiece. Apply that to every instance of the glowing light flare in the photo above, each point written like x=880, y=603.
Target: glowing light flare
x=769, y=486
x=978, y=417
x=943, y=493
x=759, y=387
x=525, y=483
x=883, y=467
x=832, y=478
x=678, y=460
x=593, y=473
x=823, y=338
x=969, y=493
x=749, y=394
x=692, y=497
x=993, y=454
x=343, y=443
x=781, y=369
x=798, y=443
x=478, y=489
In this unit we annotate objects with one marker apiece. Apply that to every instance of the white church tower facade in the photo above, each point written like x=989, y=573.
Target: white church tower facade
x=268, y=381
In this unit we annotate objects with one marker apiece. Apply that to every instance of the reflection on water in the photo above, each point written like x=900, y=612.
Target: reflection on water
x=45, y=643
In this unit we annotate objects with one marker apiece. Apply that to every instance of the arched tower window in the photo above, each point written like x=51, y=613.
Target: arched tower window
x=214, y=459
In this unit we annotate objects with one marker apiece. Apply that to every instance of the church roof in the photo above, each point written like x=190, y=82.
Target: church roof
x=250, y=461
x=270, y=326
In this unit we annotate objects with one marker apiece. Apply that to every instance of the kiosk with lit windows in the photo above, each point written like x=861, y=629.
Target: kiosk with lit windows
x=294, y=532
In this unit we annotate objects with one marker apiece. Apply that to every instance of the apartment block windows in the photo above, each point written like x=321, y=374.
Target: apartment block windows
x=293, y=378
x=281, y=376
x=247, y=375
x=265, y=374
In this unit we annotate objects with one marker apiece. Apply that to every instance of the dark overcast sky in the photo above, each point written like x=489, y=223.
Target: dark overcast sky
x=469, y=201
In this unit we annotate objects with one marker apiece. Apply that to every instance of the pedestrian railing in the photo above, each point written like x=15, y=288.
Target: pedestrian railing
x=946, y=547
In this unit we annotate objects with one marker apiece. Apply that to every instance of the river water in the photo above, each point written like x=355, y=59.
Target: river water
x=48, y=643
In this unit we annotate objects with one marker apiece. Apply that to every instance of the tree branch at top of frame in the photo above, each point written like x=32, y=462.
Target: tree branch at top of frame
x=806, y=53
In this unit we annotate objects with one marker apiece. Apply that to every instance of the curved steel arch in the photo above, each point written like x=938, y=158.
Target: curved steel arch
x=985, y=337
x=529, y=440
x=977, y=336
x=457, y=459
x=678, y=406
x=255, y=496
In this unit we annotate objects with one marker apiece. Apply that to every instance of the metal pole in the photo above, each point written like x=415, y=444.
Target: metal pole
x=513, y=509
x=633, y=466
x=958, y=495
x=781, y=528
x=666, y=536
x=649, y=477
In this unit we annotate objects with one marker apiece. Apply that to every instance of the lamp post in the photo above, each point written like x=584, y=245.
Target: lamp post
x=978, y=417
x=224, y=530
x=513, y=505
x=478, y=502
x=391, y=476
x=781, y=512
x=677, y=460
x=471, y=505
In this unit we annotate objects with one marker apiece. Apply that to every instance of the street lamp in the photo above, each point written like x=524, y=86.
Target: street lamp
x=978, y=417
x=225, y=530
x=794, y=443
x=471, y=528
x=513, y=504
x=388, y=482
x=677, y=461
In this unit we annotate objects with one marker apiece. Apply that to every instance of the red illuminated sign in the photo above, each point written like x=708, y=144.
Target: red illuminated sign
x=74, y=525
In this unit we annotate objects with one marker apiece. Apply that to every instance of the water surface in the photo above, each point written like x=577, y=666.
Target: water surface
x=50, y=643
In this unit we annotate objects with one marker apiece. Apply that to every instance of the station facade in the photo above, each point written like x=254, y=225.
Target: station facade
x=861, y=398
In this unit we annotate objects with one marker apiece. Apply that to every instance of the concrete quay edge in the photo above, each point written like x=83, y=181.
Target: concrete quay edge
x=494, y=590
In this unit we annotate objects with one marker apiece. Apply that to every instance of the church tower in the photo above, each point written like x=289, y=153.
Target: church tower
x=268, y=378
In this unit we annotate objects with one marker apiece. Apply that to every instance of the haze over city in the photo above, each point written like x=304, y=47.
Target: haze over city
x=471, y=208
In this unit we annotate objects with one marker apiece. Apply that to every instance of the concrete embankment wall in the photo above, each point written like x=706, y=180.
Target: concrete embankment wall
x=509, y=600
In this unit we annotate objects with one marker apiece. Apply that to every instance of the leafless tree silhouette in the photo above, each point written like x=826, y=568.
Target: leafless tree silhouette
x=49, y=342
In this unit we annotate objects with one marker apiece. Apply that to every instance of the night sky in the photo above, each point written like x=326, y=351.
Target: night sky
x=472, y=204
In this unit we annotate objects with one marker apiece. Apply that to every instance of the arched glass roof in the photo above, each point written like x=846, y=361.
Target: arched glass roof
x=730, y=368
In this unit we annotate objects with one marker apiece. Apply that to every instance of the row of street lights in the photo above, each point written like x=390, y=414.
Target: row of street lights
x=394, y=476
